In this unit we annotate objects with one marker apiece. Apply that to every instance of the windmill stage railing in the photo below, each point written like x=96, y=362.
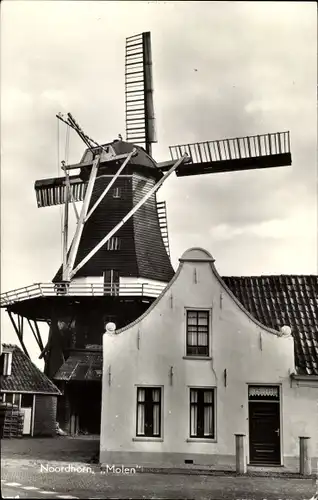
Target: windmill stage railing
x=36, y=290
x=234, y=149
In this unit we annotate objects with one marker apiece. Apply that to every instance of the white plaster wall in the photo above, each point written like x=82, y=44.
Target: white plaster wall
x=248, y=352
x=128, y=285
x=300, y=418
x=86, y=289
x=88, y=280
x=130, y=280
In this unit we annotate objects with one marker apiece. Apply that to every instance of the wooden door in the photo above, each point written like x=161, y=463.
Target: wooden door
x=27, y=408
x=111, y=282
x=27, y=420
x=264, y=427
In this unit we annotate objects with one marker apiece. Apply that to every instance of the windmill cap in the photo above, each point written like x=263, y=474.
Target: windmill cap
x=121, y=148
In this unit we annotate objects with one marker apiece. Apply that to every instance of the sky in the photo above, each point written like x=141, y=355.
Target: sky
x=220, y=70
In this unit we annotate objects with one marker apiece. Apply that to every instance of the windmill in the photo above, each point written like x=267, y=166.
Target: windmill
x=118, y=260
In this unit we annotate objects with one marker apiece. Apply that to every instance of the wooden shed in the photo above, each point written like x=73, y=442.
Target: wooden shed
x=28, y=391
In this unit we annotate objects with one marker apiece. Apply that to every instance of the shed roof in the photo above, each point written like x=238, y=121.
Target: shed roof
x=25, y=376
x=81, y=366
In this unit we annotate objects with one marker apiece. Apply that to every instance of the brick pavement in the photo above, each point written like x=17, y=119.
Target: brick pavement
x=21, y=474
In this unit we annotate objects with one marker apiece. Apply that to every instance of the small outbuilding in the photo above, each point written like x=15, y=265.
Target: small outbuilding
x=28, y=391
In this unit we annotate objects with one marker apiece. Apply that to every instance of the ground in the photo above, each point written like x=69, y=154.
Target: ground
x=39, y=468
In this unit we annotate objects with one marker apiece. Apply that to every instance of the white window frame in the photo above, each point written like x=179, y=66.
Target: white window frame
x=16, y=398
x=149, y=438
x=113, y=243
x=203, y=439
x=7, y=363
x=117, y=192
x=198, y=356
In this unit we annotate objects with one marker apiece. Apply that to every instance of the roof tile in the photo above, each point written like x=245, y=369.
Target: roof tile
x=25, y=376
x=284, y=300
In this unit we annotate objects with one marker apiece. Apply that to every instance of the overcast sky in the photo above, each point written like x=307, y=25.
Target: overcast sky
x=256, y=73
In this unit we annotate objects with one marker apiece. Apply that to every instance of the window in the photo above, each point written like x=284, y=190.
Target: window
x=6, y=363
x=26, y=400
x=197, y=333
x=202, y=413
x=11, y=398
x=106, y=152
x=149, y=411
x=113, y=243
x=116, y=192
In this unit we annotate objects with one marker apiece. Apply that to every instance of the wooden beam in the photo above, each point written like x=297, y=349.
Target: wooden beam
x=165, y=165
x=102, y=196
x=150, y=128
x=90, y=164
x=235, y=165
x=69, y=195
x=20, y=337
x=80, y=224
x=38, y=332
x=65, y=229
x=43, y=353
x=36, y=336
x=21, y=325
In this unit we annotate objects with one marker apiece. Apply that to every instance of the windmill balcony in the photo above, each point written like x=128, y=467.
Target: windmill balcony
x=72, y=289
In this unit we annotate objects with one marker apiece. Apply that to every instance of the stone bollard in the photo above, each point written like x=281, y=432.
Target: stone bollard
x=240, y=453
x=304, y=456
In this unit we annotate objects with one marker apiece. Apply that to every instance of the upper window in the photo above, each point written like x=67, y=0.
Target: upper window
x=198, y=333
x=6, y=363
x=12, y=398
x=113, y=243
x=202, y=413
x=116, y=192
x=149, y=411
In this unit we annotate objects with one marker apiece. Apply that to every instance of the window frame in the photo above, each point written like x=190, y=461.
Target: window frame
x=203, y=437
x=207, y=353
x=117, y=192
x=113, y=244
x=26, y=395
x=152, y=436
x=16, y=398
x=6, y=363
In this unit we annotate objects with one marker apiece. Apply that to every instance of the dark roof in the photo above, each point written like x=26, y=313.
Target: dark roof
x=82, y=366
x=122, y=147
x=284, y=300
x=25, y=376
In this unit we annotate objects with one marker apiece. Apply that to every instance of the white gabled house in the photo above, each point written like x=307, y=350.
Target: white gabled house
x=198, y=367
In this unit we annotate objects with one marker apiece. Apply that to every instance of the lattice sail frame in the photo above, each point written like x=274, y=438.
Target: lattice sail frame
x=254, y=146
x=140, y=119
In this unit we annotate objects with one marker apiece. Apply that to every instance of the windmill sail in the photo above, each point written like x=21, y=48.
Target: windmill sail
x=227, y=155
x=140, y=119
x=51, y=192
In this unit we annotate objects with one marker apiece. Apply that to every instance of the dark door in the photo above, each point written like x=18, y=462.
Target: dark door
x=111, y=282
x=264, y=432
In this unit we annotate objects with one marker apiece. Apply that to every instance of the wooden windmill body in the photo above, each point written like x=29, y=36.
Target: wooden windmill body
x=118, y=261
